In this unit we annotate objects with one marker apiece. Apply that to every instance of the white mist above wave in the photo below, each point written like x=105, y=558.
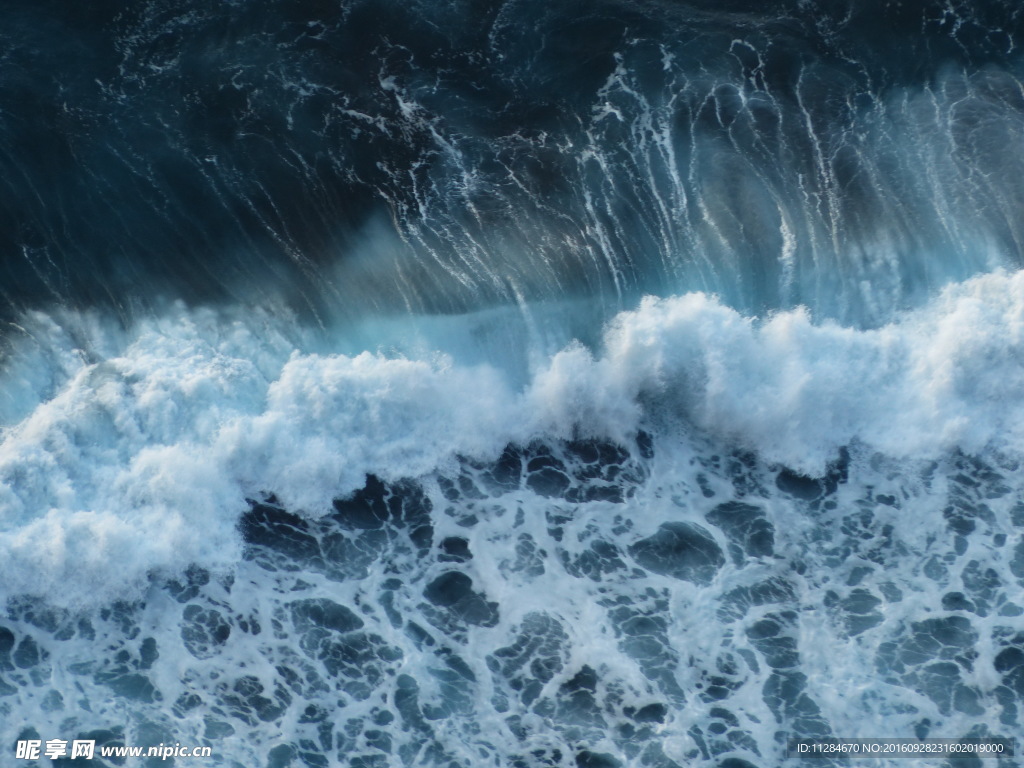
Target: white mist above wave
x=139, y=447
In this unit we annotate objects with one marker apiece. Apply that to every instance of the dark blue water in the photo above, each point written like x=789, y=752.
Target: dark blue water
x=776, y=154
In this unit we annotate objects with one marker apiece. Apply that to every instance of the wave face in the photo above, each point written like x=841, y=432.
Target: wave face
x=608, y=384
x=437, y=157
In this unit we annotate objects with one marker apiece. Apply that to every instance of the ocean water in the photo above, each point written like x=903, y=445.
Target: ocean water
x=510, y=384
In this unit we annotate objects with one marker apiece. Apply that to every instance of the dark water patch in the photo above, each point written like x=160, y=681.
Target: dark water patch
x=129, y=686
x=454, y=592
x=1009, y=659
x=798, y=486
x=974, y=484
x=546, y=477
x=984, y=585
x=650, y=713
x=601, y=559
x=1017, y=561
x=1009, y=664
x=747, y=528
x=579, y=706
x=545, y=758
x=785, y=693
x=587, y=759
x=455, y=549
x=813, y=489
x=530, y=558
x=858, y=610
x=933, y=657
x=771, y=637
x=744, y=472
x=377, y=519
x=956, y=601
x=324, y=614
x=402, y=505
x=358, y=661
x=6, y=641
x=720, y=679
x=721, y=735
x=455, y=682
x=203, y=630
x=538, y=653
x=271, y=527
x=577, y=471
x=736, y=603
x=736, y=762
x=681, y=550
x=27, y=654
x=642, y=628
x=246, y=699
x=189, y=586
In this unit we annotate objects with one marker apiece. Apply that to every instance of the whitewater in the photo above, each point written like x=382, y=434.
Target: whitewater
x=839, y=490
x=186, y=417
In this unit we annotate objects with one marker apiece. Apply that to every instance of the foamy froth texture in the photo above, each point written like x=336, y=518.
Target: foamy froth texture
x=170, y=426
x=712, y=532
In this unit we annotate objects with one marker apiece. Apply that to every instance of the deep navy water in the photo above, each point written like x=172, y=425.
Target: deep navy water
x=621, y=383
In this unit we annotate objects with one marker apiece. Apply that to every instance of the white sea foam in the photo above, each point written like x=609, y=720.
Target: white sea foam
x=140, y=447
x=950, y=375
